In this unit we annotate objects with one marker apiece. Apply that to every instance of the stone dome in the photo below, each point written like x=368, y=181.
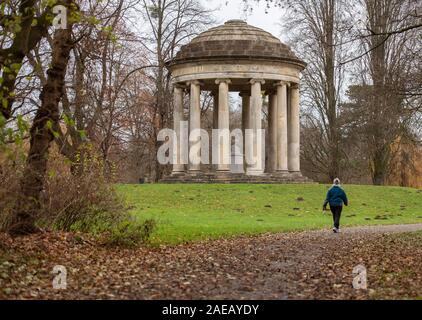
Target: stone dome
x=236, y=39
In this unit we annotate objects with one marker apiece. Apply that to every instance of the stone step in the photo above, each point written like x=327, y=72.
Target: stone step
x=236, y=179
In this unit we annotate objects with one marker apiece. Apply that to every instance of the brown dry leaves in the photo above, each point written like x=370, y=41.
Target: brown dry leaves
x=310, y=265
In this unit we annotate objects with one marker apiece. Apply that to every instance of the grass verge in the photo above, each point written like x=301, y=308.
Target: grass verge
x=187, y=213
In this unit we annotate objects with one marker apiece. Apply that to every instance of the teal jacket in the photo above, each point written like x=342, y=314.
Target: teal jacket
x=336, y=197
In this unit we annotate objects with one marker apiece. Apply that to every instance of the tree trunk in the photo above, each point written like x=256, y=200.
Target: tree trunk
x=160, y=95
x=42, y=134
x=334, y=156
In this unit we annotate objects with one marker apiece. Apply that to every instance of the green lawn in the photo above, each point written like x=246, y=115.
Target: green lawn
x=196, y=212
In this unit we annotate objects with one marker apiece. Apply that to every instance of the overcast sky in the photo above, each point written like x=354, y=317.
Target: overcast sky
x=233, y=9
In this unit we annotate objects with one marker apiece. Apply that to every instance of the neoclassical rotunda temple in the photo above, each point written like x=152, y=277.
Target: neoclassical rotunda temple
x=237, y=57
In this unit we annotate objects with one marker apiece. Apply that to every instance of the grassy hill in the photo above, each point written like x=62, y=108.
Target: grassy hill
x=197, y=212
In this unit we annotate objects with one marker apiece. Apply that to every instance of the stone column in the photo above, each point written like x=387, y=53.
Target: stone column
x=214, y=94
x=246, y=121
x=282, y=128
x=256, y=122
x=195, y=120
x=215, y=110
x=272, y=132
x=224, y=144
x=294, y=130
x=178, y=117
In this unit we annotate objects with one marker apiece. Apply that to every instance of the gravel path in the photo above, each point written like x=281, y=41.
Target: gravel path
x=304, y=265
x=382, y=229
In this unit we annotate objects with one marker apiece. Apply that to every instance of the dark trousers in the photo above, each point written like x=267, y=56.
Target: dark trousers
x=336, y=215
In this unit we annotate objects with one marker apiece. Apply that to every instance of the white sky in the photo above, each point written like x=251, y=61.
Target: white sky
x=233, y=9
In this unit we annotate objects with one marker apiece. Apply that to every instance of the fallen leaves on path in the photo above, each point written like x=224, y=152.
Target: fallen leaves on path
x=308, y=265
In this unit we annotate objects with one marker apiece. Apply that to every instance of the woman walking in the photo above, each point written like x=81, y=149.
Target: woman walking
x=336, y=197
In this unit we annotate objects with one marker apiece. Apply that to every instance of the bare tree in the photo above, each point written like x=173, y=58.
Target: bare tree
x=385, y=72
x=102, y=62
x=409, y=21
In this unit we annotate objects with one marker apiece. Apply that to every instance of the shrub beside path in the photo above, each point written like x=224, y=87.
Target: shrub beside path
x=301, y=265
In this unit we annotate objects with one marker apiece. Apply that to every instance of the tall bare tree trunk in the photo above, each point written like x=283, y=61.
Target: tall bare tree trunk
x=329, y=65
x=378, y=13
x=160, y=99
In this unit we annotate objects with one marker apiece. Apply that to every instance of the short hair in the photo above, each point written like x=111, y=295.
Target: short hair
x=336, y=181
